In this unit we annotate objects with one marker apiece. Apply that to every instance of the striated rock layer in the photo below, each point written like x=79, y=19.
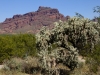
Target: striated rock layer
x=31, y=22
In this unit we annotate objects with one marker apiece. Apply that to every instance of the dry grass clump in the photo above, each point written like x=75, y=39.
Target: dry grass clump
x=90, y=68
x=31, y=65
x=14, y=64
x=27, y=65
x=3, y=72
x=32, y=61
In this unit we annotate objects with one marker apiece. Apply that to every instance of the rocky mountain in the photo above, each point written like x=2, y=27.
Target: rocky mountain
x=31, y=22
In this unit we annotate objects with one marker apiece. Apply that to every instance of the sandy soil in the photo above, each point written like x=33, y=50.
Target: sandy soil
x=1, y=66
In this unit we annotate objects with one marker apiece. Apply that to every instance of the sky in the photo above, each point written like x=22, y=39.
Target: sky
x=8, y=8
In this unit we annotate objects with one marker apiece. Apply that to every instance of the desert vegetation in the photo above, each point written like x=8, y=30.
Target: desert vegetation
x=53, y=52
x=72, y=47
x=20, y=45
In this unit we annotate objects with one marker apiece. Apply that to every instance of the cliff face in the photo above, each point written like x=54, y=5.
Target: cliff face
x=32, y=21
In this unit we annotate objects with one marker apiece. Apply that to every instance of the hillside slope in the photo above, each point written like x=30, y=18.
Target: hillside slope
x=32, y=21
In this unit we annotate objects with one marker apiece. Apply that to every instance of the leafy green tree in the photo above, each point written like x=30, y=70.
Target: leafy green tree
x=79, y=15
x=97, y=10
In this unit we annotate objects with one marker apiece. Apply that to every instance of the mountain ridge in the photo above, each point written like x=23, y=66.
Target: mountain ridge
x=31, y=22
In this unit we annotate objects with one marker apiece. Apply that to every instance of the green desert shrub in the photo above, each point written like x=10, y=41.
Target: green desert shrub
x=18, y=45
x=93, y=58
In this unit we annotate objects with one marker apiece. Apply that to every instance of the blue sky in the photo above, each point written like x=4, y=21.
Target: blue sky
x=8, y=8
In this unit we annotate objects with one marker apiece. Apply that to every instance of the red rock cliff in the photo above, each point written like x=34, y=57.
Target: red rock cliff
x=32, y=21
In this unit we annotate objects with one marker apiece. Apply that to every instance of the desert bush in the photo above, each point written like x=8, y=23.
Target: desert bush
x=93, y=59
x=3, y=72
x=26, y=65
x=14, y=64
x=18, y=45
x=31, y=65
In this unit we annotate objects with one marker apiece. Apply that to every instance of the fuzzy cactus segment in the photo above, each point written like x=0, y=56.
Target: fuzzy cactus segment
x=69, y=37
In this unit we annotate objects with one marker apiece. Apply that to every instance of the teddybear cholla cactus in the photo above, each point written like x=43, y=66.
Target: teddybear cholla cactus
x=68, y=36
